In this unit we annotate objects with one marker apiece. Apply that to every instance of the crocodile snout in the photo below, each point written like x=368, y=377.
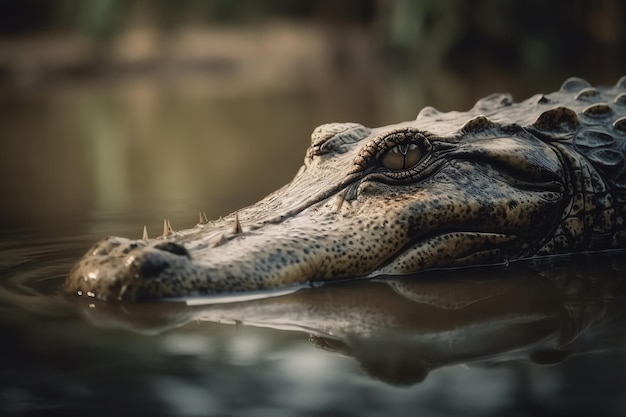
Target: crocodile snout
x=119, y=268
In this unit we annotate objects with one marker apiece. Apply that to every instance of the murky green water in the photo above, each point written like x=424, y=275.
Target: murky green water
x=79, y=162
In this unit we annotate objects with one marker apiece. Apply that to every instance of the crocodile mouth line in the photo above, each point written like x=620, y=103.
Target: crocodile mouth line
x=456, y=248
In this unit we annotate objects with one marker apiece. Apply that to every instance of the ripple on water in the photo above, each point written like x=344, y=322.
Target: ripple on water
x=31, y=273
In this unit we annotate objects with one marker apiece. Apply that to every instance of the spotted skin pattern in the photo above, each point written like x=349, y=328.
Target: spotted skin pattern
x=500, y=182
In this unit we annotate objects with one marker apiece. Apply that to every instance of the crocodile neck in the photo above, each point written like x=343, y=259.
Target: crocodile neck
x=594, y=213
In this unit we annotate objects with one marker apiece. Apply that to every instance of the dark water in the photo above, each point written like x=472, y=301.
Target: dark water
x=79, y=162
x=499, y=341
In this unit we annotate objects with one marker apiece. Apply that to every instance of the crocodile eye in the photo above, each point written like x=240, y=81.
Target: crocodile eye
x=401, y=156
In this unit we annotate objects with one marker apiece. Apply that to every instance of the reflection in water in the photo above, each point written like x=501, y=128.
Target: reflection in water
x=400, y=329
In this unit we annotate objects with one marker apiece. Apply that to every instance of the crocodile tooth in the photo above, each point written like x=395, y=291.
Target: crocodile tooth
x=167, y=228
x=236, y=226
x=145, y=233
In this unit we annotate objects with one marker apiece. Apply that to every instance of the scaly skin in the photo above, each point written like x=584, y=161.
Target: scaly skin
x=500, y=182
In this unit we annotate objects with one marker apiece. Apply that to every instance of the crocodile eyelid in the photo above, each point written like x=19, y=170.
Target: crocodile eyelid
x=397, y=138
x=383, y=143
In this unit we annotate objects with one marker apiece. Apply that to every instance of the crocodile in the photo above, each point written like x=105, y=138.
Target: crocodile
x=501, y=182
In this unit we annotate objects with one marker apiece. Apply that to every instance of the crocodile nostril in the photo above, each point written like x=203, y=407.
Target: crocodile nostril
x=172, y=247
x=152, y=265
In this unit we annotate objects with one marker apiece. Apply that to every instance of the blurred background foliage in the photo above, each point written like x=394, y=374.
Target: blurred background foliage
x=528, y=37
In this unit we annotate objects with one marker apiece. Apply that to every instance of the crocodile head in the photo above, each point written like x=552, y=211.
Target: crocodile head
x=447, y=189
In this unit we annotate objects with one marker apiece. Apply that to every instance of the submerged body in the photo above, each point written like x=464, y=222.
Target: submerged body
x=500, y=182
